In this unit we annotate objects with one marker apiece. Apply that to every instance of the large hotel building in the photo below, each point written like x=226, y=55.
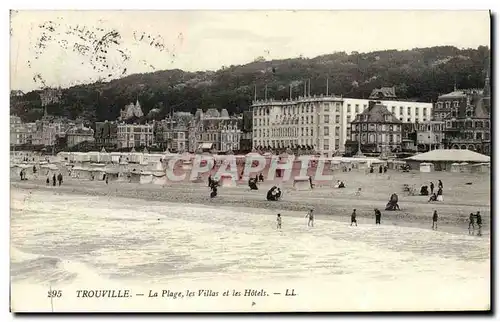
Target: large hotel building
x=320, y=121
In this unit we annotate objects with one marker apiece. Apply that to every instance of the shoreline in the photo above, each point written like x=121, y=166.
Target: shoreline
x=414, y=214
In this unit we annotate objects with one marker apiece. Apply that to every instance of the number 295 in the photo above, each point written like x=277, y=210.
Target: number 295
x=54, y=293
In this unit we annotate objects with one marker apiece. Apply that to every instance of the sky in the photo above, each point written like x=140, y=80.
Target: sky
x=148, y=41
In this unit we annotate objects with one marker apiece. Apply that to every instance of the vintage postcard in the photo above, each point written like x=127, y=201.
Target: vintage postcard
x=250, y=161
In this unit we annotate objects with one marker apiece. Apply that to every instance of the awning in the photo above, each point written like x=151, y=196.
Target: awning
x=206, y=146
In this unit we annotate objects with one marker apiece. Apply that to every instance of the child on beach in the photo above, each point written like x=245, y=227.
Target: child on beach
x=479, y=222
x=310, y=216
x=278, y=221
x=353, y=217
x=435, y=220
x=471, y=223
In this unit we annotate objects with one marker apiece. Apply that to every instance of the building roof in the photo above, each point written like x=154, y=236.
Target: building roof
x=376, y=114
x=451, y=155
x=480, y=110
x=384, y=92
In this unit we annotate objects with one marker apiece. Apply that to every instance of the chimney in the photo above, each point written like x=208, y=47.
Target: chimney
x=371, y=104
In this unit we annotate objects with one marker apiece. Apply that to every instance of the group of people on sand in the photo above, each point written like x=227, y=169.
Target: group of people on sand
x=478, y=222
x=438, y=195
x=381, y=169
x=378, y=217
x=59, y=179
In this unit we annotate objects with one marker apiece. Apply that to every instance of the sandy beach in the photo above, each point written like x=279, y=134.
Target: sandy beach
x=145, y=237
x=460, y=199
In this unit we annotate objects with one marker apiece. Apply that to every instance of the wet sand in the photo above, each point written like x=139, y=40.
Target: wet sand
x=460, y=199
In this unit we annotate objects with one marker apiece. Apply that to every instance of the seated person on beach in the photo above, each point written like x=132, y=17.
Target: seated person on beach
x=393, y=203
x=433, y=197
x=424, y=191
x=274, y=194
x=341, y=185
x=252, y=184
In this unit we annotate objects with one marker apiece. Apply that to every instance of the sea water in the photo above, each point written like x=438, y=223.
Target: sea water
x=69, y=242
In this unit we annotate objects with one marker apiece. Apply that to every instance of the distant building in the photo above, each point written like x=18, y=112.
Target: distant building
x=214, y=131
x=106, y=135
x=421, y=137
x=131, y=110
x=48, y=130
x=384, y=94
x=246, y=126
x=320, y=122
x=172, y=133
x=21, y=133
x=376, y=130
x=78, y=134
x=466, y=114
x=135, y=135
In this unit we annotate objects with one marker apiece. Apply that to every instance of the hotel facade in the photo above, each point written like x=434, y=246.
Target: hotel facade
x=320, y=121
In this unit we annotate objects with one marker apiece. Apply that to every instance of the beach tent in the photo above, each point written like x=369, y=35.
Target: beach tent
x=134, y=177
x=112, y=175
x=146, y=177
x=455, y=167
x=480, y=168
x=464, y=167
x=159, y=178
x=444, y=158
x=98, y=174
x=301, y=183
x=426, y=167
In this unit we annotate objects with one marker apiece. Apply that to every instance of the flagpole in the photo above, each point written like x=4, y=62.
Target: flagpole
x=266, y=93
x=255, y=93
x=290, y=91
x=327, y=86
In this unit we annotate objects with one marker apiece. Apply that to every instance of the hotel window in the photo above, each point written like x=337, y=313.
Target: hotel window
x=408, y=110
x=348, y=119
x=348, y=108
x=356, y=108
x=307, y=108
x=448, y=104
x=400, y=110
x=302, y=109
x=424, y=111
x=301, y=120
x=337, y=144
x=364, y=106
x=337, y=131
x=408, y=120
x=337, y=119
x=440, y=104
x=312, y=132
x=416, y=112
x=394, y=110
x=326, y=130
x=455, y=103
x=337, y=107
x=327, y=118
x=326, y=107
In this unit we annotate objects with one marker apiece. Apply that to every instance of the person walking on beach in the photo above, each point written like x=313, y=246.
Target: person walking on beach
x=479, y=222
x=54, y=180
x=353, y=218
x=378, y=216
x=47, y=182
x=310, y=216
x=60, y=178
x=432, y=187
x=278, y=221
x=440, y=184
x=471, y=223
x=435, y=220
